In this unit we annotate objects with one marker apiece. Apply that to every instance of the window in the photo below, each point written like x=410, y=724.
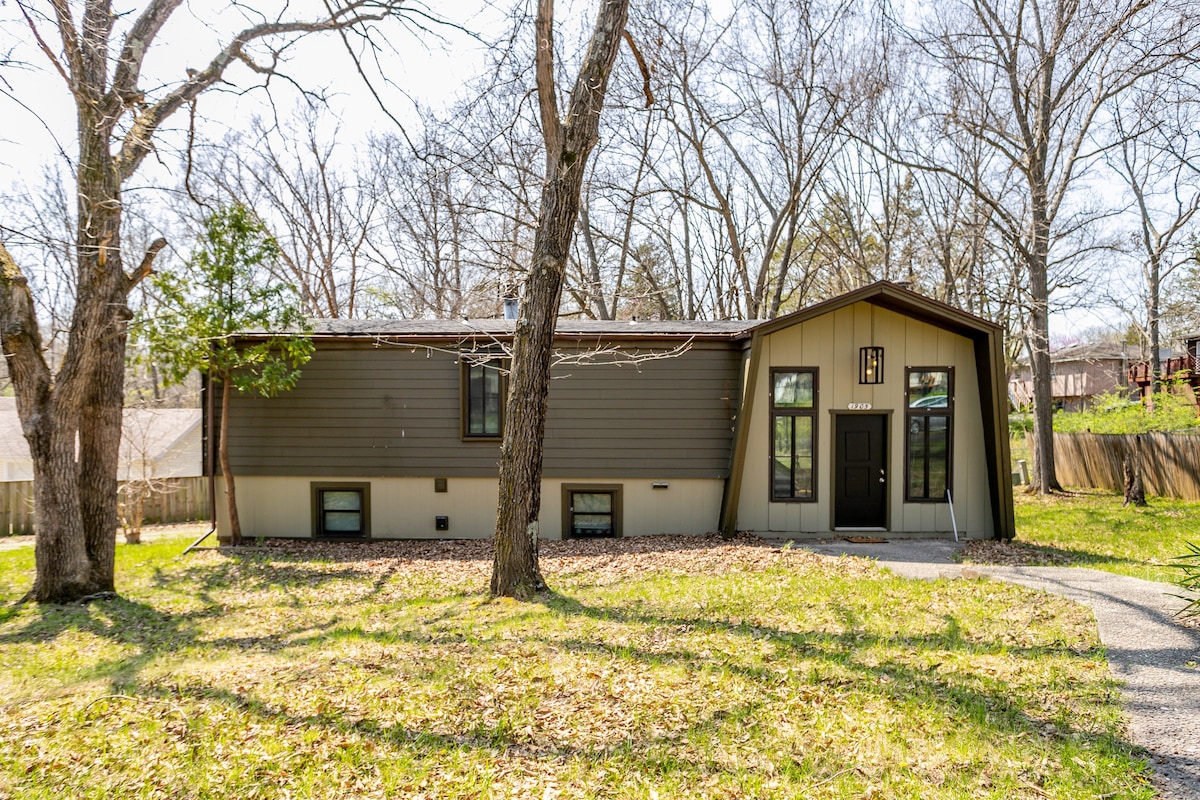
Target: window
x=482, y=401
x=928, y=416
x=591, y=510
x=341, y=509
x=793, y=433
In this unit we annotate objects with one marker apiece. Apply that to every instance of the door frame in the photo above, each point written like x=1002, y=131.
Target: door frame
x=886, y=415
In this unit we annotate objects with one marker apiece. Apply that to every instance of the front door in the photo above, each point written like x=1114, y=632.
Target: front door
x=859, y=471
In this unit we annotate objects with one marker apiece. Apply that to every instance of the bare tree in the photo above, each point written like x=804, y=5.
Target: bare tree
x=72, y=416
x=568, y=143
x=1028, y=81
x=322, y=215
x=1156, y=145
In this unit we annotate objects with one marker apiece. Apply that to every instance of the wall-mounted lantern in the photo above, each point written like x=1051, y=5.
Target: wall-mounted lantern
x=870, y=364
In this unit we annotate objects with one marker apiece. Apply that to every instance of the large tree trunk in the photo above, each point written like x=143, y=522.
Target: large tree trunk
x=515, y=571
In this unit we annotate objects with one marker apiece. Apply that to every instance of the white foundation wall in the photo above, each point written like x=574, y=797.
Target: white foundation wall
x=406, y=508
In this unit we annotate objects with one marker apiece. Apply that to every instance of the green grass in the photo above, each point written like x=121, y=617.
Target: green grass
x=1090, y=528
x=725, y=671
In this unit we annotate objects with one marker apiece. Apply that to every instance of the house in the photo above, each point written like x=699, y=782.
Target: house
x=1080, y=373
x=880, y=410
x=155, y=443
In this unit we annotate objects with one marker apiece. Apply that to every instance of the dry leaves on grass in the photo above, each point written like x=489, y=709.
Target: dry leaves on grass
x=1013, y=554
x=603, y=561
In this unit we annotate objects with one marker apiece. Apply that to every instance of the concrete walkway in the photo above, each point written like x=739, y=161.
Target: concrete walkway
x=1157, y=658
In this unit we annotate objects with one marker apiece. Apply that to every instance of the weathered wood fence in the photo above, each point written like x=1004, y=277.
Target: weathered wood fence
x=173, y=500
x=16, y=508
x=1170, y=463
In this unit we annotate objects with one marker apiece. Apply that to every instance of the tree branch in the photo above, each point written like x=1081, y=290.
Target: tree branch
x=138, y=142
x=147, y=266
x=20, y=338
x=552, y=127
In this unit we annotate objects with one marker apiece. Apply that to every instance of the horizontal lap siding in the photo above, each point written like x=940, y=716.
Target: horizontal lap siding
x=394, y=412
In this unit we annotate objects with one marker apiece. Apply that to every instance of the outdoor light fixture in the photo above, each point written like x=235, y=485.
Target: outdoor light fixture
x=870, y=364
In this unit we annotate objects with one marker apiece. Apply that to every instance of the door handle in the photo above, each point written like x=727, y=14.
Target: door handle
x=881, y=476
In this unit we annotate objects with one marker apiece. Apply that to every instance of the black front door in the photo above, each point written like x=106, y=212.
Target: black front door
x=859, y=476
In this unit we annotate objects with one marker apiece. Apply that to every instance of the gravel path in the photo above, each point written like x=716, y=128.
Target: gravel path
x=1157, y=659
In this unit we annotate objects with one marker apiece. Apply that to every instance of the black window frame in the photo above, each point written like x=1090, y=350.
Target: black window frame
x=922, y=417
x=616, y=511
x=793, y=412
x=319, y=511
x=469, y=365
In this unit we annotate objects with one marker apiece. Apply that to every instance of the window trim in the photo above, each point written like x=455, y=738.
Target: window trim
x=615, y=489
x=464, y=384
x=946, y=411
x=787, y=411
x=316, y=488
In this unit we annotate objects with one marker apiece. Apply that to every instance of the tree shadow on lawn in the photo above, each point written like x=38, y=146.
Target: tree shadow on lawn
x=850, y=661
x=960, y=695
x=976, y=700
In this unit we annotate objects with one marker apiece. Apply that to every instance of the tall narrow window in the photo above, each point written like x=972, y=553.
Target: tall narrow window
x=793, y=433
x=483, y=401
x=929, y=416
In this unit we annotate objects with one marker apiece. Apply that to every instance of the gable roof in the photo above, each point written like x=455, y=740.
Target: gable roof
x=892, y=297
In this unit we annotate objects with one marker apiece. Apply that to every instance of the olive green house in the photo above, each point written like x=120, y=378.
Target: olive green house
x=880, y=410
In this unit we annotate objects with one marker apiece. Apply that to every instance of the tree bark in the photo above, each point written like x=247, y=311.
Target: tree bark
x=515, y=571
x=1135, y=490
x=235, y=524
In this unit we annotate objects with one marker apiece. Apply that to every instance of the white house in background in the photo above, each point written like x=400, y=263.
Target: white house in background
x=14, y=451
x=155, y=443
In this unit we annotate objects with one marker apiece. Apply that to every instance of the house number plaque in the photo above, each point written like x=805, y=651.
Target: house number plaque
x=859, y=406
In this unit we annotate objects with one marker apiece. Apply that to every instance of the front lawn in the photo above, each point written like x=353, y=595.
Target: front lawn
x=661, y=667
x=1090, y=528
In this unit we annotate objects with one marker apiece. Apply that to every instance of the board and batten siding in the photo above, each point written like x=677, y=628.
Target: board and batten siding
x=393, y=411
x=830, y=343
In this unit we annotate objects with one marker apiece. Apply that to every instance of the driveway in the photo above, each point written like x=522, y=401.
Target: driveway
x=1156, y=658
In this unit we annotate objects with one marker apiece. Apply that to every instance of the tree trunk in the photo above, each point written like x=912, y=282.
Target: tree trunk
x=515, y=571
x=235, y=525
x=1155, y=286
x=1135, y=491
x=1044, y=478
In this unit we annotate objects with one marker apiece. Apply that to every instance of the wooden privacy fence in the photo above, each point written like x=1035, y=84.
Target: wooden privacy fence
x=16, y=508
x=172, y=500
x=1170, y=463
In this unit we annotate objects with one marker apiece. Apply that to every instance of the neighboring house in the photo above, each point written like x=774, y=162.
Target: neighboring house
x=1080, y=373
x=155, y=443
x=14, y=451
x=161, y=443
x=855, y=414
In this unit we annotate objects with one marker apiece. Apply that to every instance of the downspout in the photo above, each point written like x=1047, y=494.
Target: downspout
x=209, y=470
